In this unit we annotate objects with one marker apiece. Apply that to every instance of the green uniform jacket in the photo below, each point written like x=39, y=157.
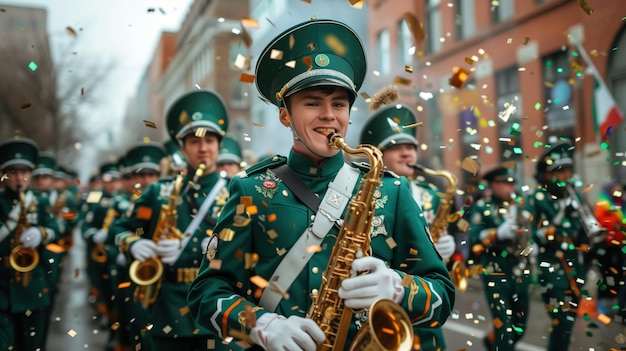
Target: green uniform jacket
x=428, y=199
x=14, y=297
x=498, y=256
x=170, y=313
x=564, y=242
x=399, y=235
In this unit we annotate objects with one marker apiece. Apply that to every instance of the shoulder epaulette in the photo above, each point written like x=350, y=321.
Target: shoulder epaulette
x=364, y=167
x=268, y=163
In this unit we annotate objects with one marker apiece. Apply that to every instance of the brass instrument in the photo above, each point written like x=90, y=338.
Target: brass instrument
x=99, y=253
x=388, y=327
x=22, y=259
x=594, y=232
x=522, y=237
x=459, y=273
x=147, y=274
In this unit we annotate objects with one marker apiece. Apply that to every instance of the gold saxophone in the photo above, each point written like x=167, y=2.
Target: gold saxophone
x=443, y=217
x=388, y=327
x=22, y=259
x=147, y=274
x=99, y=253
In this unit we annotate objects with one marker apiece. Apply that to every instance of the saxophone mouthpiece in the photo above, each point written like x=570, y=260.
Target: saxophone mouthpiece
x=417, y=167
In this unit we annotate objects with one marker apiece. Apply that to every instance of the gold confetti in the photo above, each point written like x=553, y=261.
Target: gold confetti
x=245, y=37
x=391, y=243
x=250, y=260
x=26, y=106
x=259, y=281
x=416, y=27
x=227, y=234
x=247, y=78
x=313, y=248
x=123, y=285
x=72, y=332
x=459, y=76
x=200, y=132
x=271, y=217
x=525, y=41
x=69, y=30
x=258, y=125
x=401, y=80
x=250, y=22
x=272, y=234
x=94, y=197
x=469, y=60
x=470, y=165
x=418, y=124
x=307, y=1
x=583, y=5
x=215, y=264
x=336, y=45
x=408, y=68
x=183, y=310
x=357, y=4
x=149, y=124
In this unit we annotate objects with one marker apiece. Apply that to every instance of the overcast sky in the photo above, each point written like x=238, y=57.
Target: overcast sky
x=121, y=31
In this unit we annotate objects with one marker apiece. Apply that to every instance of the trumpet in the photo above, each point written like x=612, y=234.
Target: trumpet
x=23, y=260
x=459, y=273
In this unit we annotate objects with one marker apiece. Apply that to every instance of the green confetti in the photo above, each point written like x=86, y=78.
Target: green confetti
x=537, y=106
x=605, y=146
x=518, y=150
x=537, y=144
x=491, y=123
x=514, y=130
x=586, y=317
x=504, y=253
x=33, y=66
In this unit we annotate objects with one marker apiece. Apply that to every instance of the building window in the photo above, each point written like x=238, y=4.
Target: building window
x=433, y=26
x=509, y=112
x=238, y=93
x=560, y=112
x=501, y=10
x=464, y=21
x=384, y=50
x=405, y=43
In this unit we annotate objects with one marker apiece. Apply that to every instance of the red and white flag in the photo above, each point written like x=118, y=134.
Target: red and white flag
x=607, y=114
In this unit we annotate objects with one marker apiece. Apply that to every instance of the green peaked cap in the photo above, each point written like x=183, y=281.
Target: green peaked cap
x=500, y=174
x=194, y=110
x=18, y=152
x=313, y=53
x=46, y=164
x=110, y=170
x=386, y=127
x=144, y=156
x=557, y=156
x=230, y=151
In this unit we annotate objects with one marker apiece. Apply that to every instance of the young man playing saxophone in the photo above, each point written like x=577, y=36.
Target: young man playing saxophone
x=272, y=217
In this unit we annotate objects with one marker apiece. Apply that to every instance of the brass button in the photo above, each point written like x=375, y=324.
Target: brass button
x=314, y=292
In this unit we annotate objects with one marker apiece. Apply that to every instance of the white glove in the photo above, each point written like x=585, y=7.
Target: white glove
x=446, y=246
x=204, y=244
x=275, y=332
x=506, y=230
x=100, y=236
x=143, y=249
x=360, y=291
x=31, y=237
x=169, y=250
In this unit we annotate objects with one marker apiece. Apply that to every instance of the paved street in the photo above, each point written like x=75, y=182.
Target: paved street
x=471, y=321
x=74, y=327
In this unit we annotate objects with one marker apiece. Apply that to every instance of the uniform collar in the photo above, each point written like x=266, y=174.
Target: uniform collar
x=207, y=179
x=309, y=168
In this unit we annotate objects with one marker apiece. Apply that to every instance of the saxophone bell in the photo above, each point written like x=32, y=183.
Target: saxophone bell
x=22, y=259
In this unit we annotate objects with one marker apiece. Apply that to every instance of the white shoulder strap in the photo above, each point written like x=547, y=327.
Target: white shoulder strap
x=331, y=208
